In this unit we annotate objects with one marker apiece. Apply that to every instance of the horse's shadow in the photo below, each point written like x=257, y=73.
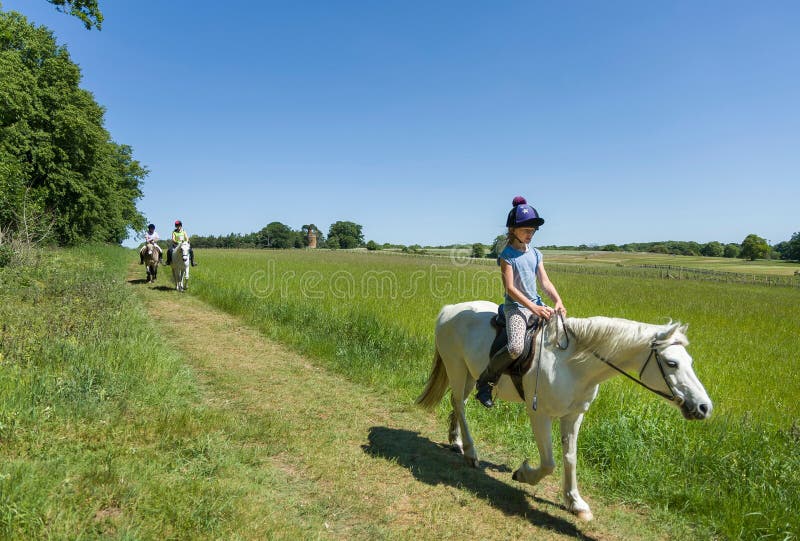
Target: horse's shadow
x=428, y=463
x=144, y=281
x=164, y=288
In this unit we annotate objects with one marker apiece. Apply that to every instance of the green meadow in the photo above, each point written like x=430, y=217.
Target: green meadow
x=103, y=430
x=371, y=316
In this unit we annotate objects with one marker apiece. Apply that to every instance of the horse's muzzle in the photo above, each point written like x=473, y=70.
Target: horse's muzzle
x=696, y=412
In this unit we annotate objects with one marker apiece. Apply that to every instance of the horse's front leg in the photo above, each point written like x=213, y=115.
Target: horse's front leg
x=570, y=425
x=542, y=428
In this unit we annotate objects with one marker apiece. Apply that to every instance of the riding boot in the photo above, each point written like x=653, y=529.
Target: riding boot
x=169, y=257
x=491, y=375
x=191, y=257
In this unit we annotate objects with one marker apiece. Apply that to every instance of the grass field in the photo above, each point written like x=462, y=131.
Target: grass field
x=371, y=317
x=106, y=432
x=103, y=433
x=760, y=267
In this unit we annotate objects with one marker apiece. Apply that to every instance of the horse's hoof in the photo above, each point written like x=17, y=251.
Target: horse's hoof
x=585, y=516
x=473, y=462
x=456, y=449
x=515, y=475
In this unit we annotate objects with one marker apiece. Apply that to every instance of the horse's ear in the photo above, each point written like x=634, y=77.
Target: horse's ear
x=667, y=332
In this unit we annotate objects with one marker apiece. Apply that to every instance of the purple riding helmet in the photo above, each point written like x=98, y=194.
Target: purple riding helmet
x=523, y=215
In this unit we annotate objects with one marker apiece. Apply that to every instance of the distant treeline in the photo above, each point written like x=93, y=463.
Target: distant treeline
x=675, y=247
x=278, y=235
x=348, y=235
x=752, y=247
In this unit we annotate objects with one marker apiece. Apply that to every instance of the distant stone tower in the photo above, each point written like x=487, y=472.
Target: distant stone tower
x=312, y=238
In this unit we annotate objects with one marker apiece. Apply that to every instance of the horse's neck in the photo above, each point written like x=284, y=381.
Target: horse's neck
x=621, y=342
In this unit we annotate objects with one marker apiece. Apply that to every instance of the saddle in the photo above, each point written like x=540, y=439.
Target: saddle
x=518, y=367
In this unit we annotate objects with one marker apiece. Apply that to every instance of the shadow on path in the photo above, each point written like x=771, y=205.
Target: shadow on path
x=135, y=281
x=428, y=462
x=164, y=288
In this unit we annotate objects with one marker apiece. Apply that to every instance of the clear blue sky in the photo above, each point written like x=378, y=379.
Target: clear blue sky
x=623, y=121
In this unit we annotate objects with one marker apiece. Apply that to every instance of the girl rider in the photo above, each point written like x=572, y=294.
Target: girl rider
x=150, y=236
x=178, y=236
x=521, y=267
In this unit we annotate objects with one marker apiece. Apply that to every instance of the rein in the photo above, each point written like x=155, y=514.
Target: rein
x=535, y=403
x=653, y=353
x=673, y=397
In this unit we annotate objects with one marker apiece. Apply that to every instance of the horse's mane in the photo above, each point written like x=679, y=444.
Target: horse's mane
x=610, y=335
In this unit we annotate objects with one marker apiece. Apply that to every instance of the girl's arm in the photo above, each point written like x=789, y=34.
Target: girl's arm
x=514, y=293
x=550, y=289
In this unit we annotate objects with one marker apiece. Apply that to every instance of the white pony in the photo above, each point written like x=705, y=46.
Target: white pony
x=180, y=265
x=572, y=358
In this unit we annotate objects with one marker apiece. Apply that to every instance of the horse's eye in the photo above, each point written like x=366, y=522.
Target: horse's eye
x=672, y=364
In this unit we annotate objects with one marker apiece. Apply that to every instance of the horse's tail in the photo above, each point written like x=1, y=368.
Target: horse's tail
x=436, y=386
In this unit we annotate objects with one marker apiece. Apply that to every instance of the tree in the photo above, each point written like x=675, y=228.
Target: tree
x=754, y=247
x=86, y=10
x=712, y=249
x=348, y=234
x=791, y=249
x=498, y=245
x=56, y=157
x=276, y=235
x=731, y=250
x=372, y=246
x=478, y=250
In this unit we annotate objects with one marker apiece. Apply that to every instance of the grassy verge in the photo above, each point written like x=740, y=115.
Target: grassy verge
x=735, y=476
x=103, y=433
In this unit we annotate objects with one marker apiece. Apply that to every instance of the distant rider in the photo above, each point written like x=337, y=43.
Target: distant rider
x=179, y=236
x=151, y=237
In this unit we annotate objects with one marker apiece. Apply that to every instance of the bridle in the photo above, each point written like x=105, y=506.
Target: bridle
x=674, y=397
x=654, y=346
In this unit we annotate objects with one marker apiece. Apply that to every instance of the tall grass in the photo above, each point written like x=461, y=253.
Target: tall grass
x=102, y=433
x=735, y=476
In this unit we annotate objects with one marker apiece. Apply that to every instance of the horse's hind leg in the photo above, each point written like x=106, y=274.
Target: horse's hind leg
x=454, y=432
x=458, y=420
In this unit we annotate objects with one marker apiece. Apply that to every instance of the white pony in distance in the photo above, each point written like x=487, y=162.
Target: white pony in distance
x=180, y=265
x=573, y=356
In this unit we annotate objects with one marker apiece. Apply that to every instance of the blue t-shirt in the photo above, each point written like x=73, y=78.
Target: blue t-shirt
x=524, y=264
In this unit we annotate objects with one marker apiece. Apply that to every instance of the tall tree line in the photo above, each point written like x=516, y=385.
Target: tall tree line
x=58, y=163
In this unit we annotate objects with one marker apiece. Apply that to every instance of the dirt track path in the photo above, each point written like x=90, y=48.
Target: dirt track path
x=351, y=463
